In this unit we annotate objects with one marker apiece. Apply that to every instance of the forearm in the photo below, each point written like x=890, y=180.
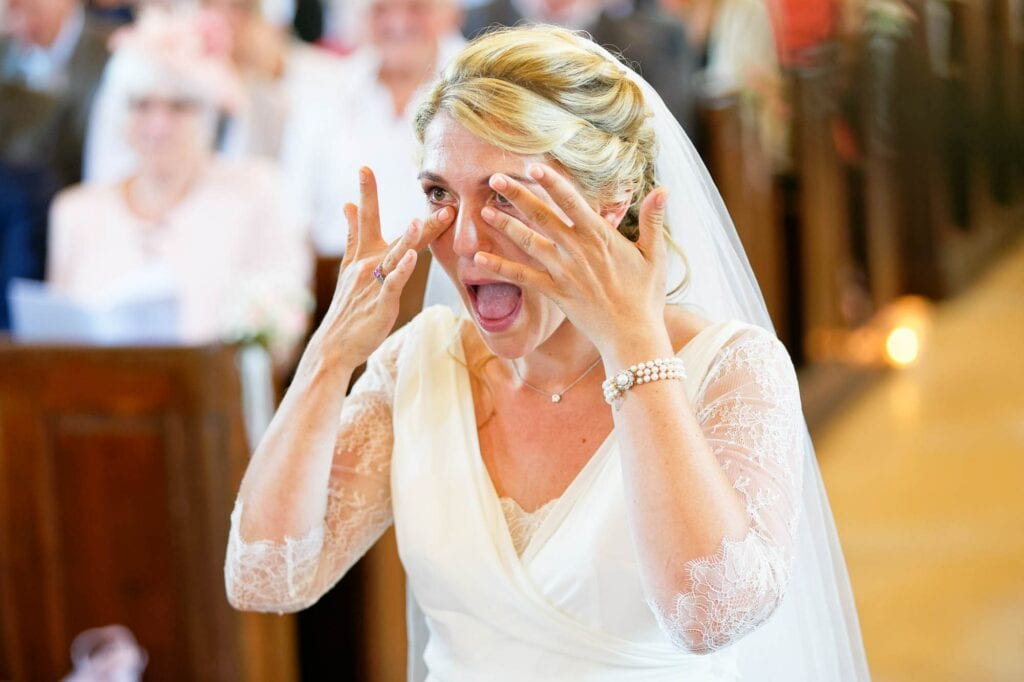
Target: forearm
x=681, y=504
x=318, y=488
x=284, y=491
x=713, y=489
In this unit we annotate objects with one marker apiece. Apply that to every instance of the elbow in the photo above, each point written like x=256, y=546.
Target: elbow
x=273, y=577
x=725, y=599
x=268, y=586
x=714, y=637
x=716, y=626
x=280, y=608
x=241, y=602
x=699, y=648
x=266, y=601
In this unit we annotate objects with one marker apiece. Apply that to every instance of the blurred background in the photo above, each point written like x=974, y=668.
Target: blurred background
x=171, y=183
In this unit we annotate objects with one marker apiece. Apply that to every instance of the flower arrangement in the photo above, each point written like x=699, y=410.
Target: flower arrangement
x=271, y=312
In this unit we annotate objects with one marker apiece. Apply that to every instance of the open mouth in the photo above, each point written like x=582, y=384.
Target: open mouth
x=496, y=305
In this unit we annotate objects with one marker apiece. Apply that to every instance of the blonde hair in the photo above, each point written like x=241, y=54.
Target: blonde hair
x=546, y=90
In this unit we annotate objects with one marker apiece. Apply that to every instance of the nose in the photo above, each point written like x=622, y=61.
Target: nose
x=472, y=234
x=158, y=122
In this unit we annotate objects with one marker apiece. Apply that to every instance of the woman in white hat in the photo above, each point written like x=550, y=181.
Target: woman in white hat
x=212, y=227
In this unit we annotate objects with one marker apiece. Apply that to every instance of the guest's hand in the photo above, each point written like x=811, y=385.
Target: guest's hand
x=364, y=309
x=611, y=288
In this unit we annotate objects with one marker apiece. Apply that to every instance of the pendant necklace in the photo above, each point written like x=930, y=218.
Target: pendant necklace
x=557, y=396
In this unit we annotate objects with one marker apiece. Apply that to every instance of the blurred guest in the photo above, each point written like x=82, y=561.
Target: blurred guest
x=803, y=26
x=259, y=51
x=742, y=65
x=278, y=75
x=50, y=48
x=645, y=35
x=282, y=74
x=30, y=137
x=114, y=12
x=367, y=120
x=25, y=194
x=51, y=57
x=212, y=227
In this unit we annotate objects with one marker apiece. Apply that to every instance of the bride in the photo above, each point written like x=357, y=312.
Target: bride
x=589, y=479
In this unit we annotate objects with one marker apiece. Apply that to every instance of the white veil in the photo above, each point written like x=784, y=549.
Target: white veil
x=814, y=636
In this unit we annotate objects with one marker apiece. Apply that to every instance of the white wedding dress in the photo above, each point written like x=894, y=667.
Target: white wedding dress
x=495, y=596
x=570, y=605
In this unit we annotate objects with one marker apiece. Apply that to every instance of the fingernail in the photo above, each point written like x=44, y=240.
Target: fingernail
x=488, y=213
x=660, y=199
x=536, y=172
x=444, y=214
x=499, y=182
x=479, y=258
x=364, y=174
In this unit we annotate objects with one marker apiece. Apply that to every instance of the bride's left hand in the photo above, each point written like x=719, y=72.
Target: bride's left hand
x=611, y=288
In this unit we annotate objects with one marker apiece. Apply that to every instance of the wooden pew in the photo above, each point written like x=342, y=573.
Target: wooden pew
x=877, y=87
x=952, y=145
x=823, y=252
x=118, y=469
x=749, y=188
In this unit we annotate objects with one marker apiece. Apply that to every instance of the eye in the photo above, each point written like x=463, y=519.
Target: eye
x=182, y=105
x=141, y=104
x=501, y=201
x=435, y=194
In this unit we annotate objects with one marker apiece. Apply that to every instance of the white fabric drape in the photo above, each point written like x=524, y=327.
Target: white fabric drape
x=572, y=607
x=815, y=634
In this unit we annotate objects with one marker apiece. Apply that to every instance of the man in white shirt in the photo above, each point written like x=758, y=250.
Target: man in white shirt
x=367, y=120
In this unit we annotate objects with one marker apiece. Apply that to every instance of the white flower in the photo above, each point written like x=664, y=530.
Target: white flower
x=269, y=310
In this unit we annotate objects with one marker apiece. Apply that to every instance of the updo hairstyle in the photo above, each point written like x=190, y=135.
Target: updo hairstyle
x=548, y=91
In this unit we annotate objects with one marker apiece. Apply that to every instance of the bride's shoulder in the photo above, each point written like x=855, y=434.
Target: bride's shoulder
x=683, y=325
x=745, y=343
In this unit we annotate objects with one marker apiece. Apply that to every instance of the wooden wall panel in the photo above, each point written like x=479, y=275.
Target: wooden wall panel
x=825, y=258
x=118, y=468
x=748, y=186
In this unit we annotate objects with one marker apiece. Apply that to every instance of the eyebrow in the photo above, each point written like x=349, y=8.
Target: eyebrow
x=434, y=177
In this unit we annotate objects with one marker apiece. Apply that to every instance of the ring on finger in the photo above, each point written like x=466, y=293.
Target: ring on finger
x=378, y=272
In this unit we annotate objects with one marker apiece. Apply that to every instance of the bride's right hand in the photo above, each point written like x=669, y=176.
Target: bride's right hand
x=363, y=309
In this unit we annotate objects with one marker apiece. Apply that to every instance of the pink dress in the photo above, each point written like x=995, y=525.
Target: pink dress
x=229, y=231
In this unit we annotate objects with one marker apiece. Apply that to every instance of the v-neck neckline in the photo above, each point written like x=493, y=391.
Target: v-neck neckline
x=493, y=500
x=555, y=513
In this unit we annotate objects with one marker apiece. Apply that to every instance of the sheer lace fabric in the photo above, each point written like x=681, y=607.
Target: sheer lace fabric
x=522, y=525
x=749, y=411
x=293, y=574
x=750, y=414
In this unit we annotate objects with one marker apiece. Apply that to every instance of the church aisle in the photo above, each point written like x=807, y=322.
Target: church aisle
x=925, y=471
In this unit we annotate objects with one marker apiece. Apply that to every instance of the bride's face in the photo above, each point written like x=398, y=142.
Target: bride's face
x=457, y=167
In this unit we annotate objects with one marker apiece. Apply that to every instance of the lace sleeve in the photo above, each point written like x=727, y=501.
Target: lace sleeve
x=751, y=417
x=293, y=574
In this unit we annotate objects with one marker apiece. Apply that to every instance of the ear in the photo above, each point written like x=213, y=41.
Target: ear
x=614, y=213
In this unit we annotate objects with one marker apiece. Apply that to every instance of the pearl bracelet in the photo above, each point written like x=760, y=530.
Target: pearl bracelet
x=615, y=387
